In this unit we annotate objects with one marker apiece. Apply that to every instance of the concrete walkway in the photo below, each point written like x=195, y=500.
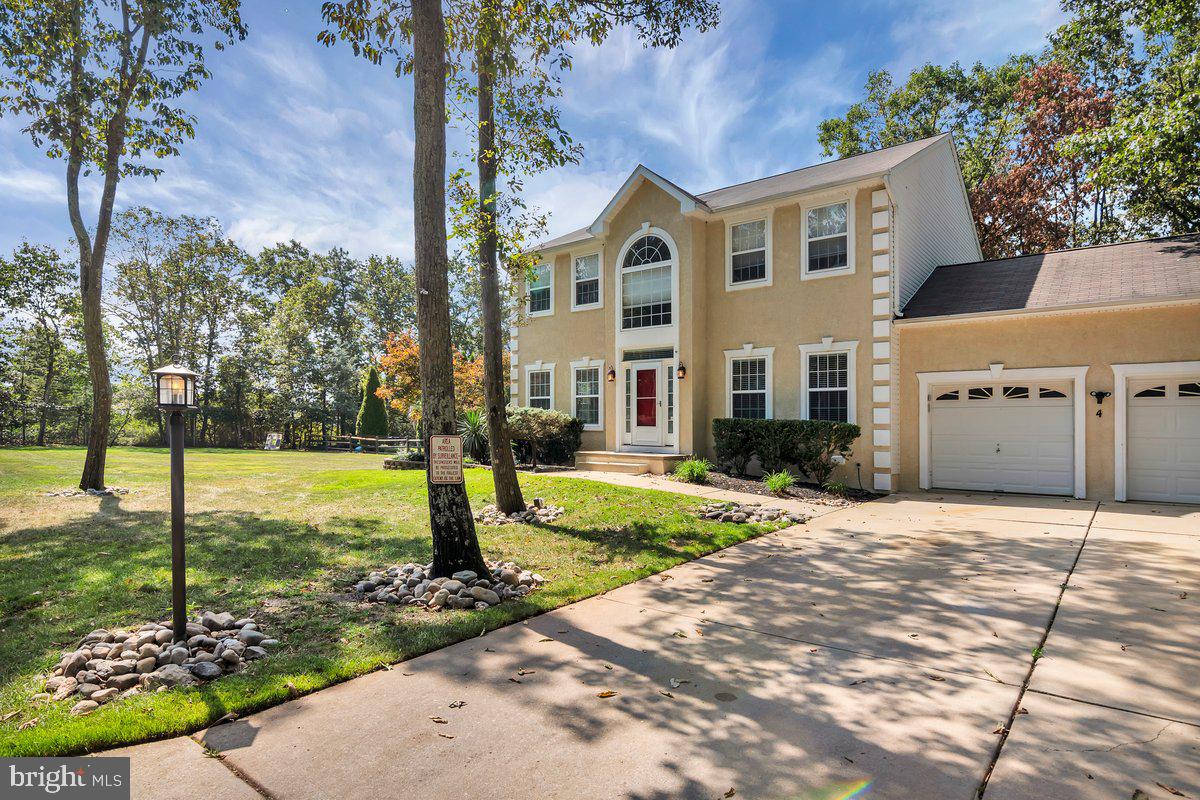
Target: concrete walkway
x=886, y=644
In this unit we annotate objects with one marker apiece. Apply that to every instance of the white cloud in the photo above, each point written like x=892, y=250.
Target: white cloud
x=34, y=186
x=941, y=31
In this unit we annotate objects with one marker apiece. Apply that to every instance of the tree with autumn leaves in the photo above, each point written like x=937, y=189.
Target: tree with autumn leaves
x=401, y=377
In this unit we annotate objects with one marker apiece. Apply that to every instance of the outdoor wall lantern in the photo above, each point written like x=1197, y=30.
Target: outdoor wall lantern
x=681, y=371
x=611, y=375
x=176, y=391
x=1100, y=394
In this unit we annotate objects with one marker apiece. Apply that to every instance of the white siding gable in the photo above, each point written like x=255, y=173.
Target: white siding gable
x=933, y=223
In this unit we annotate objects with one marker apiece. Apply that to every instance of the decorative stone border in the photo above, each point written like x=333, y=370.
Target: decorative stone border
x=535, y=512
x=410, y=585
x=114, y=663
x=108, y=491
x=748, y=513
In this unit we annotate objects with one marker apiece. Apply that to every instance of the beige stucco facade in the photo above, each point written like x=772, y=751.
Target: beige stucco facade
x=1092, y=339
x=711, y=318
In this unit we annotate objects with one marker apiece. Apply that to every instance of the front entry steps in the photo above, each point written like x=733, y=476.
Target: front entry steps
x=627, y=463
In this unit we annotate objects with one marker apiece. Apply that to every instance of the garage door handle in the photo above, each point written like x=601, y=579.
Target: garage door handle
x=997, y=448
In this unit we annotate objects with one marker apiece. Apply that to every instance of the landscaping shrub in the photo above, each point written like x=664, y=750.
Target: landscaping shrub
x=372, y=415
x=544, y=435
x=779, y=482
x=473, y=427
x=809, y=445
x=694, y=470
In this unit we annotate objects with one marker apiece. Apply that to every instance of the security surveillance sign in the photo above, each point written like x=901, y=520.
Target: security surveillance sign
x=445, y=459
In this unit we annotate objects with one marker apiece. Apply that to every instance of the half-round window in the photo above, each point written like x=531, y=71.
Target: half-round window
x=647, y=250
x=646, y=284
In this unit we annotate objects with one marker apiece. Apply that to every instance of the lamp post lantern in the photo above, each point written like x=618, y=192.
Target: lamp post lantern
x=175, y=390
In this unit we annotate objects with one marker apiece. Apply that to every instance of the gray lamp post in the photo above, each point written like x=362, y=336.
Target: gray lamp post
x=176, y=392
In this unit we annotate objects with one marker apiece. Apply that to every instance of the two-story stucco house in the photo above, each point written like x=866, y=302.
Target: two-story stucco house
x=785, y=297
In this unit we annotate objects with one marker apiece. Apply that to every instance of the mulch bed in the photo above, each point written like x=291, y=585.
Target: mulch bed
x=807, y=492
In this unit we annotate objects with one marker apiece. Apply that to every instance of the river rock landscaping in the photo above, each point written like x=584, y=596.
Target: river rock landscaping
x=410, y=585
x=747, y=513
x=109, y=664
x=537, y=511
x=108, y=491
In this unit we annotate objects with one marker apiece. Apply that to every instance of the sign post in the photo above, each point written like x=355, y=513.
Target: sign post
x=445, y=458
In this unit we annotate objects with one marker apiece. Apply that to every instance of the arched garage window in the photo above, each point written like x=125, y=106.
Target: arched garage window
x=646, y=284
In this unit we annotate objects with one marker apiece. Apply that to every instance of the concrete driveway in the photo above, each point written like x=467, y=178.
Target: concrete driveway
x=884, y=649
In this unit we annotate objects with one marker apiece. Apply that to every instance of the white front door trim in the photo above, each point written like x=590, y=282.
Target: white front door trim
x=1077, y=375
x=1121, y=375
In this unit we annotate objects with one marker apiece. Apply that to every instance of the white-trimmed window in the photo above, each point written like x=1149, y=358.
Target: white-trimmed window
x=541, y=291
x=748, y=381
x=646, y=284
x=585, y=279
x=827, y=381
x=748, y=253
x=540, y=387
x=586, y=399
x=827, y=240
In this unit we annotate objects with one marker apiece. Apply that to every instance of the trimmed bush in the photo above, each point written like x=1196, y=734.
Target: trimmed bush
x=694, y=470
x=472, y=425
x=544, y=435
x=779, y=482
x=372, y=415
x=807, y=444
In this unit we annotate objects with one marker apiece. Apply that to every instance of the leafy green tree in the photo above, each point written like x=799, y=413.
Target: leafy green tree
x=372, y=416
x=97, y=83
x=1149, y=155
x=36, y=287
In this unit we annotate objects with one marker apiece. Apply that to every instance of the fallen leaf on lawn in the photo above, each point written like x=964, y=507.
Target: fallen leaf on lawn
x=731, y=792
x=29, y=723
x=9, y=716
x=1169, y=789
x=291, y=689
x=440, y=721
x=1183, y=595
x=545, y=639
x=408, y=674
x=1022, y=710
x=526, y=671
x=677, y=682
x=913, y=635
x=936, y=678
x=706, y=580
x=230, y=717
x=665, y=693
x=458, y=704
x=679, y=635
x=699, y=632
x=608, y=666
x=665, y=577
x=488, y=650
x=445, y=735
x=607, y=693
x=386, y=667
x=999, y=730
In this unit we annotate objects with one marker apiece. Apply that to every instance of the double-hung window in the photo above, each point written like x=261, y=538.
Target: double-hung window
x=749, y=253
x=828, y=386
x=541, y=291
x=827, y=381
x=587, y=396
x=587, y=282
x=827, y=241
x=541, y=388
x=749, y=387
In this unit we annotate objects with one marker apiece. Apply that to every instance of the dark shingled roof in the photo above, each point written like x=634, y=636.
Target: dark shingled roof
x=1153, y=269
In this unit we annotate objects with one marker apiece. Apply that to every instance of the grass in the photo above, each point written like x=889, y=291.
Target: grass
x=277, y=535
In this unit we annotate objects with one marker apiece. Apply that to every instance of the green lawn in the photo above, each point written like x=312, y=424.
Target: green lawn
x=276, y=535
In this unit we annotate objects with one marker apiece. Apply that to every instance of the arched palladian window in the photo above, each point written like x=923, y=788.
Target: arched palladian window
x=646, y=284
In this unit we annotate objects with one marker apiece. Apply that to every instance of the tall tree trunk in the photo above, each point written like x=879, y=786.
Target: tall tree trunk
x=52, y=348
x=455, y=545
x=90, y=278
x=504, y=469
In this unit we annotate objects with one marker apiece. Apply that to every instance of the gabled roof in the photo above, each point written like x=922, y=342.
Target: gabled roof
x=1128, y=272
x=818, y=176
x=805, y=179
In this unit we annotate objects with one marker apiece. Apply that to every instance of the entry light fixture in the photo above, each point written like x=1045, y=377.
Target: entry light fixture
x=611, y=375
x=1100, y=394
x=681, y=371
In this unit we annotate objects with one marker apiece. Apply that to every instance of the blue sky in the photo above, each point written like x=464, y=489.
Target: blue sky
x=298, y=141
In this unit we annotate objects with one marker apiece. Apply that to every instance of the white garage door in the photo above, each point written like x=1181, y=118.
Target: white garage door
x=1007, y=437
x=1163, y=440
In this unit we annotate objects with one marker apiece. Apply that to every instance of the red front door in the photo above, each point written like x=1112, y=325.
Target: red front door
x=647, y=398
